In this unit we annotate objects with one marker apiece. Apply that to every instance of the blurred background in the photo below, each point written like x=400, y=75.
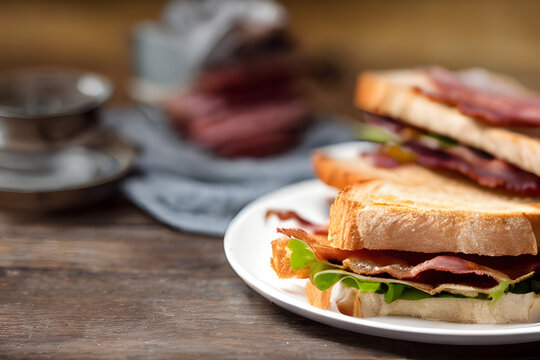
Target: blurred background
x=219, y=101
x=354, y=35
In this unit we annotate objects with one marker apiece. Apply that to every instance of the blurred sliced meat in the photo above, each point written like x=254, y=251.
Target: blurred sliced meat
x=260, y=145
x=261, y=119
x=248, y=106
x=186, y=107
x=252, y=72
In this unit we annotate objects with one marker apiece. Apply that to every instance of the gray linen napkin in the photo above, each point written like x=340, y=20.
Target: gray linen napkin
x=190, y=189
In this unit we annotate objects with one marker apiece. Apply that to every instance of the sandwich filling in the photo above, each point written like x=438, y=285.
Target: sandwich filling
x=405, y=144
x=401, y=274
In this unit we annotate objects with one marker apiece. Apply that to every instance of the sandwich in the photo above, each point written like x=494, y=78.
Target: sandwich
x=411, y=237
x=443, y=250
x=480, y=125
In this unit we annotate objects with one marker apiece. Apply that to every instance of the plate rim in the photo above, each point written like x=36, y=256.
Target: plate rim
x=384, y=329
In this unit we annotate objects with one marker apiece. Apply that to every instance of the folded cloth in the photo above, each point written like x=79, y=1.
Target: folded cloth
x=192, y=190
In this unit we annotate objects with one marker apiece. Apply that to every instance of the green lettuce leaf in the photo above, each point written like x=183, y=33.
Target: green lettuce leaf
x=325, y=280
x=444, y=141
x=325, y=275
x=535, y=286
x=410, y=293
x=365, y=286
x=375, y=134
x=529, y=285
x=303, y=257
x=499, y=291
x=394, y=292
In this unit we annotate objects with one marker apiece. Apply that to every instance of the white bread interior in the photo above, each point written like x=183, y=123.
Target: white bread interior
x=510, y=308
x=431, y=218
x=391, y=93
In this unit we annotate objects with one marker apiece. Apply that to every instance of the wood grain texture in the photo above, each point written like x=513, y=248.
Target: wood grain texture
x=110, y=283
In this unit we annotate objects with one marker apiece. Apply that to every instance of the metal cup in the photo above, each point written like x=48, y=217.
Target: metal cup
x=47, y=108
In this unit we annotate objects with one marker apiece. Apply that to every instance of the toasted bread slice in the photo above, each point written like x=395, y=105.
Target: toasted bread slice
x=339, y=171
x=431, y=218
x=412, y=208
x=391, y=93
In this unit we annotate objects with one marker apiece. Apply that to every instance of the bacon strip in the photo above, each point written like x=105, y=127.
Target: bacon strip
x=497, y=107
x=486, y=171
x=445, y=263
x=317, y=229
x=474, y=164
x=417, y=267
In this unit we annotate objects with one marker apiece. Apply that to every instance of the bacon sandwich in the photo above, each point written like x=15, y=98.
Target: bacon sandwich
x=483, y=126
x=442, y=222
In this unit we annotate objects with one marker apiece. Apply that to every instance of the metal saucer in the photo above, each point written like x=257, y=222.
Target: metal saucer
x=64, y=178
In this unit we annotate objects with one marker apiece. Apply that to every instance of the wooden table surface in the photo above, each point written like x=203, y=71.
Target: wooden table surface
x=112, y=283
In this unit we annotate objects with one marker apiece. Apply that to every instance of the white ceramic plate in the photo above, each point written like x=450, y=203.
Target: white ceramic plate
x=247, y=247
